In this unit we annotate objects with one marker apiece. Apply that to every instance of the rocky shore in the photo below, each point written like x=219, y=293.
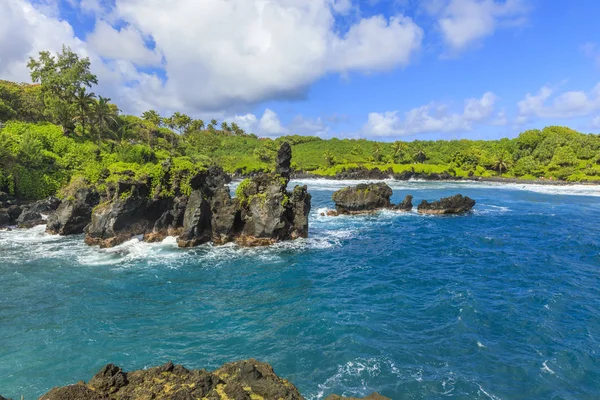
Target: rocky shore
x=263, y=211
x=241, y=380
x=372, y=197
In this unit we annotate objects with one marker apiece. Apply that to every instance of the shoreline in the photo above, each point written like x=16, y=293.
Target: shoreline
x=457, y=179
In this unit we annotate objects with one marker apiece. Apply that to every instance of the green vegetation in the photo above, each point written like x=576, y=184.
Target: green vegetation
x=58, y=134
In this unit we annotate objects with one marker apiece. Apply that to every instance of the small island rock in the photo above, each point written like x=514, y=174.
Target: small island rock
x=449, y=205
x=362, y=198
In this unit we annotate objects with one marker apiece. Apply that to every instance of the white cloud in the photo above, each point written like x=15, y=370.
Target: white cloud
x=308, y=126
x=270, y=125
x=596, y=122
x=464, y=23
x=431, y=118
x=237, y=52
x=545, y=104
x=125, y=44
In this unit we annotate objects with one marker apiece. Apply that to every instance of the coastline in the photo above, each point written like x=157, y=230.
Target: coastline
x=432, y=178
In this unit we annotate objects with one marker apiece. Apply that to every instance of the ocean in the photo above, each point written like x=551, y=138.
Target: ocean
x=501, y=303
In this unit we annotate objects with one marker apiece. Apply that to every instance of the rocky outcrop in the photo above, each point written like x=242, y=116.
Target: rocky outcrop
x=45, y=206
x=74, y=213
x=270, y=213
x=449, y=205
x=29, y=219
x=170, y=222
x=406, y=204
x=241, y=380
x=284, y=161
x=128, y=212
x=28, y=216
x=263, y=212
x=362, y=198
x=207, y=187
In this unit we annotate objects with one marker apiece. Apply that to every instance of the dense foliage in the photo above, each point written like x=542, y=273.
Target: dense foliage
x=58, y=132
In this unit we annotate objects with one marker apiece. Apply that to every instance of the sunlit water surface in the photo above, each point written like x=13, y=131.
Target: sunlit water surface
x=503, y=303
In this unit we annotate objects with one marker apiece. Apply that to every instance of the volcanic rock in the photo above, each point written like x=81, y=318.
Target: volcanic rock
x=449, y=205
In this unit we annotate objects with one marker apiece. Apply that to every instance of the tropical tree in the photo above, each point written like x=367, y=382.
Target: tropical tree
x=236, y=129
x=501, y=164
x=376, y=153
x=398, y=148
x=224, y=126
x=420, y=156
x=84, y=101
x=329, y=158
x=61, y=77
x=104, y=116
x=152, y=116
x=196, y=125
x=181, y=122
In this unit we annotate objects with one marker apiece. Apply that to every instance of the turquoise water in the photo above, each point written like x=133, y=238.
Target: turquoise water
x=503, y=303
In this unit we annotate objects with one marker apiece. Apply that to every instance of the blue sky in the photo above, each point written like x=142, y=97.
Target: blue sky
x=387, y=69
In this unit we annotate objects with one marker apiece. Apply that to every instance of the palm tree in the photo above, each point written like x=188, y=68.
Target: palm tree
x=398, y=149
x=420, y=156
x=104, y=116
x=224, y=127
x=376, y=153
x=197, y=125
x=152, y=116
x=329, y=159
x=501, y=164
x=83, y=102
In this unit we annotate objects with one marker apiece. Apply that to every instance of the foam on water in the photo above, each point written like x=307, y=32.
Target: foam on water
x=551, y=189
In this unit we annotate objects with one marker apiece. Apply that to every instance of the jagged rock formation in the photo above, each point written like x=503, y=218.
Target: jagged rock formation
x=270, y=213
x=73, y=214
x=449, y=205
x=33, y=214
x=263, y=211
x=406, y=204
x=242, y=380
x=127, y=211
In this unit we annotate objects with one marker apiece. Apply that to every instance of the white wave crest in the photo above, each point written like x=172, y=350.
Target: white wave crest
x=355, y=376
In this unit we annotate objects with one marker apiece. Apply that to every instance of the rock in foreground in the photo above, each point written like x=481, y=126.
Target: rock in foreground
x=243, y=380
x=449, y=205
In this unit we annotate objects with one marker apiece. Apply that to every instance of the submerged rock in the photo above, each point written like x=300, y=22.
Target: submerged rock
x=362, y=198
x=241, y=380
x=449, y=205
x=73, y=214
